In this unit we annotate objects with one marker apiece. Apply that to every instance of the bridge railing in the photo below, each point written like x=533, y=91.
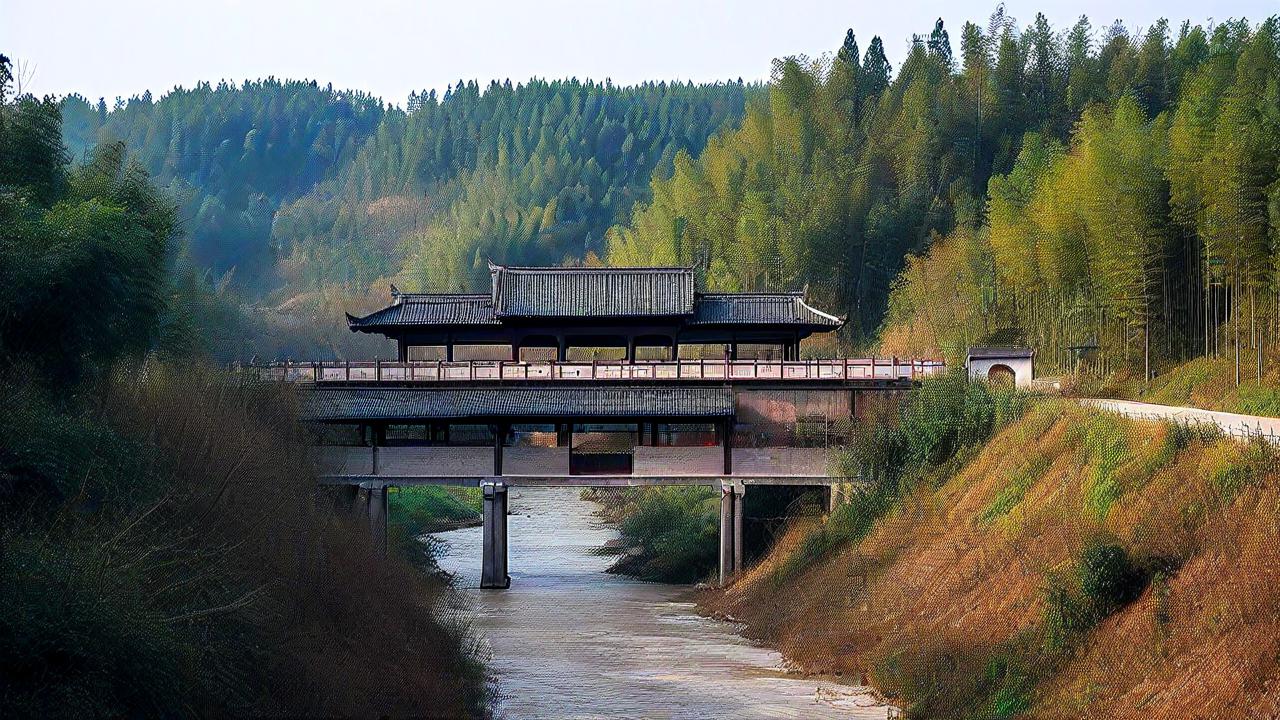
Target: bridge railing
x=640, y=371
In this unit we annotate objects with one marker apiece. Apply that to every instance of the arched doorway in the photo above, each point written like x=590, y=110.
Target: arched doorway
x=1002, y=375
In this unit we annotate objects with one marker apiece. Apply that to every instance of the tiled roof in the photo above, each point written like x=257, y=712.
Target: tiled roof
x=514, y=402
x=1000, y=352
x=555, y=292
x=758, y=309
x=431, y=309
x=591, y=292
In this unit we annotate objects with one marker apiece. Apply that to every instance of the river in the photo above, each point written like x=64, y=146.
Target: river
x=569, y=640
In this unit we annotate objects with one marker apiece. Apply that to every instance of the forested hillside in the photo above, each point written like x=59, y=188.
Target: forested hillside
x=1148, y=234
x=531, y=174
x=843, y=170
x=229, y=155
x=291, y=184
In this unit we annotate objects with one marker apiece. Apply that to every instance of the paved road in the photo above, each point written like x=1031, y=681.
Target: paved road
x=1231, y=423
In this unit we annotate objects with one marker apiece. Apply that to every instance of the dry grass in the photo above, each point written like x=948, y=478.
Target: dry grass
x=188, y=567
x=944, y=601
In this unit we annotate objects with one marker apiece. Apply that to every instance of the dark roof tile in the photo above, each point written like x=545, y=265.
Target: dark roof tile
x=600, y=292
x=758, y=308
x=986, y=352
x=431, y=309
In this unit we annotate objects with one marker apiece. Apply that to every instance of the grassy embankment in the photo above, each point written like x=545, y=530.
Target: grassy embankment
x=1077, y=565
x=412, y=512
x=164, y=552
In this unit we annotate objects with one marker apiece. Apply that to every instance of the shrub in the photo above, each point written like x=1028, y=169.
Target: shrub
x=425, y=509
x=1108, y=578
x=673, y=534
x=1105, y=580
x=1258, y=458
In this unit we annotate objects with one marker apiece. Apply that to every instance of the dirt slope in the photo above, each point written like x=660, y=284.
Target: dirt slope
x=944, y=603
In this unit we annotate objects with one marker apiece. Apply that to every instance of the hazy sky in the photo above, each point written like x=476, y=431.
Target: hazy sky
x=105, y=48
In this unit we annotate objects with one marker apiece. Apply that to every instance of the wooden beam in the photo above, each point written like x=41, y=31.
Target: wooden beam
x=499, y=441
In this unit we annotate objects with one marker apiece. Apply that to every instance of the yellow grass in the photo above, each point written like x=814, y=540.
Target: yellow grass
x=955, y=577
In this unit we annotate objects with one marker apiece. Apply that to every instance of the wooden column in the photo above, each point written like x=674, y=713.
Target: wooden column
x=631, y=348
x=726, y=441
x=377, y=439
x=493, y=563
x=499, y=441
x=562, y=349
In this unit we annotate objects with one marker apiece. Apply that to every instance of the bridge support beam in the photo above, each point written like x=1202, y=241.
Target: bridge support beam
x=493, y=569
x=732, y=512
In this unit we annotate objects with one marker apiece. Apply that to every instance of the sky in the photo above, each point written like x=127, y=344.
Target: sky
x=110, y=48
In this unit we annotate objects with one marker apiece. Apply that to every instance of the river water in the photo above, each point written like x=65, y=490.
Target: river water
x=569, y=640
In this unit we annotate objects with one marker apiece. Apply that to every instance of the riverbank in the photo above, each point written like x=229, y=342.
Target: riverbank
x=196, y=571
x=1079, y=565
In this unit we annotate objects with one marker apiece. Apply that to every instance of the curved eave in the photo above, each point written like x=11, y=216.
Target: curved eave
x=831, y=322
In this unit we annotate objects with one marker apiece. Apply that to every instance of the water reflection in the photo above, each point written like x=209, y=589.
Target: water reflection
x=568, y=640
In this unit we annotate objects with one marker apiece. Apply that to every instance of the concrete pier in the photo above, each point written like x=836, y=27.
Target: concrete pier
x=726, y=533
x=739, y=512
x=493, y=570
x=732, y=512
x=369, y=504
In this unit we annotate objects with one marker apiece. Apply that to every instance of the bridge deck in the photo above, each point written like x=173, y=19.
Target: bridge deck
x=871, y=370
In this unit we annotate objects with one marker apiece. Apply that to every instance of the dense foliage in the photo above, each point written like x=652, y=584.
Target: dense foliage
x=526, y=174
x=230, y=155
x=1148, y=234
x=843, y=170
x=164, y=550
x=286, y=181
x=82, y=252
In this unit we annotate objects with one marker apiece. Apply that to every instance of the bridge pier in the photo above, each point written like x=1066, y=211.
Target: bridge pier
x=370, y=503
x=732, y=511
x=493, y=568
